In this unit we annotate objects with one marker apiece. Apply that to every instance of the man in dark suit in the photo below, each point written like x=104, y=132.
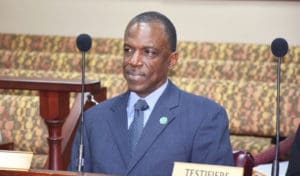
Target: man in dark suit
x=294, y=161
x=177, y=126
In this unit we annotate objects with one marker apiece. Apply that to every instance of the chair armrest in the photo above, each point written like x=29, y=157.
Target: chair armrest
x=268, y=155
x=244, y=159
x=72, y=121
x=6, y=146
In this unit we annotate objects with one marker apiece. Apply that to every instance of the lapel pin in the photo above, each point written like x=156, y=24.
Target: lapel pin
x=163, y=120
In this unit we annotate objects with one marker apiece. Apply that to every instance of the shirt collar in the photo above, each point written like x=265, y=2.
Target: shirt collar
x=151, y=99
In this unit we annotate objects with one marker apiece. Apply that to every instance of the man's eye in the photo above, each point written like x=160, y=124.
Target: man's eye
x=127, y=50
x=150, y=52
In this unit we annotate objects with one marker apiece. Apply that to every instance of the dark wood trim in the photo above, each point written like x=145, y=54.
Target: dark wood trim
x=6, y=146
x=54, y=106
x=56, y=85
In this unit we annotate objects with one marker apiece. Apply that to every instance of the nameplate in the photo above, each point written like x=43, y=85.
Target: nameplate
x=15, y=160
x=195, y=169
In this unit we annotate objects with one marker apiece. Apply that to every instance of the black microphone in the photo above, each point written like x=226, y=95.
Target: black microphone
x=279, y=49
x=84, y=43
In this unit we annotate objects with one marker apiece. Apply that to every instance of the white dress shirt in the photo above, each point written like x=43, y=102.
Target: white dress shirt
x=151, y=100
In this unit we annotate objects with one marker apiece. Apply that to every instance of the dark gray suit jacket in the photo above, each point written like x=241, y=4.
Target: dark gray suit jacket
x=294, y=160
x=196, y=131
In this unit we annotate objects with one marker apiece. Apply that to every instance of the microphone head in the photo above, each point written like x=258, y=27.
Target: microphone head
x=279, y=47
x=84, y=42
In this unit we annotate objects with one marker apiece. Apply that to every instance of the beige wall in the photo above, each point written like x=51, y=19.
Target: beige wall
x=250, y=21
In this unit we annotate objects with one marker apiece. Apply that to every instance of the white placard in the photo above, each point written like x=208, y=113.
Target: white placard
x=15, y=160
x=195, y=169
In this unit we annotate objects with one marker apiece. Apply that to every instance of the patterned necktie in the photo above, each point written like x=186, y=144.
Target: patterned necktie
x=136, y=127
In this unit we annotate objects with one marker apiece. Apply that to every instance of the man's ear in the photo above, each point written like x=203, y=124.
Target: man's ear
x=173, y=60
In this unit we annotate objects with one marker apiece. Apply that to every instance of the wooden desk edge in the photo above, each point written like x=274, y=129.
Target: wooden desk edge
x=69, y=85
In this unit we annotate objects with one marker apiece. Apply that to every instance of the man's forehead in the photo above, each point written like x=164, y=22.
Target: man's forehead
x=146, y=26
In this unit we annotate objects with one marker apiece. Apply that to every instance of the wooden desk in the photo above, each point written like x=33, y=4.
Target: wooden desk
x=45, y=173
x=54, y=106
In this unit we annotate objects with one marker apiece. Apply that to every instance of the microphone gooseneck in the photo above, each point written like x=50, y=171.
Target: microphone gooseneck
x=279, y=49
x=84, y=43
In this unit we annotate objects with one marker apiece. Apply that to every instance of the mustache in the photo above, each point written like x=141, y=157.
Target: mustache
x=132, y=71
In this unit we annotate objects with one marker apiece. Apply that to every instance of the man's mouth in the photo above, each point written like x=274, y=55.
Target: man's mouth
x=135, y=76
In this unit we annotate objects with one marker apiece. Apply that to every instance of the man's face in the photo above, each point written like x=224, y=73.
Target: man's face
x=147, y=57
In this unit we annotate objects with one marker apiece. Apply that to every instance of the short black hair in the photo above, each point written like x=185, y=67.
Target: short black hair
x=169, y=28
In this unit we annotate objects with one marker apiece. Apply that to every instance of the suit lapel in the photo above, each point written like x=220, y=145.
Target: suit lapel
x=156, y=124
x=118, y=126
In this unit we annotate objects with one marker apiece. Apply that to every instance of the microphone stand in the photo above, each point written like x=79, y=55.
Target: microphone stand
x=275, y=164
x=80, y=151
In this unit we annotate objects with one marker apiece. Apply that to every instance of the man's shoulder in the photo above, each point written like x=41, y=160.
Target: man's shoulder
x=112, y=101
x=195, y=100
x=106, y=105
x=199, y=100
x=201, y=109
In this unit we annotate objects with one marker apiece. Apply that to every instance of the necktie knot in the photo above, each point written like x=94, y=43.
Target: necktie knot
x=141, y=105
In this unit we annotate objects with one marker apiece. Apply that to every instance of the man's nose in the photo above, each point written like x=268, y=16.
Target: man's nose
x=136, y=59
